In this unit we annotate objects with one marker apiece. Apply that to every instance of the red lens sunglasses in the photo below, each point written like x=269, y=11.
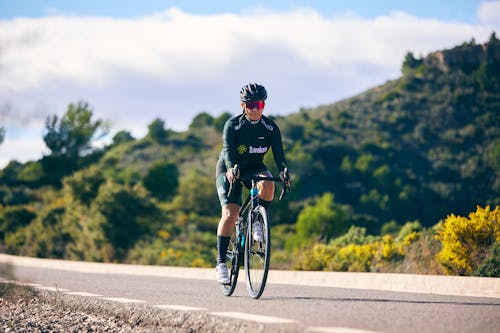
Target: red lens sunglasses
x=255, y=105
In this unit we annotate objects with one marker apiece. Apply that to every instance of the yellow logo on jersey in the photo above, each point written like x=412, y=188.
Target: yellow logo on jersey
x=242, y=149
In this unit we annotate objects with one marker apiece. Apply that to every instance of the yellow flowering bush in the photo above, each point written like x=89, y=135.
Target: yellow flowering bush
x=371, y=254
x=466, y=241
x=390, y=250
x=410, y=239
x=315, y=258
x=354, y=258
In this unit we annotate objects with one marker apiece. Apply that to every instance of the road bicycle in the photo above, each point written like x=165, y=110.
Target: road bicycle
x=243, y=249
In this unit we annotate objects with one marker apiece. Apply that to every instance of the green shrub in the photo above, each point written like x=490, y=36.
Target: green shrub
x=491, y=266
x=44, y=237
x=83, y=186
x=407, y=229
x=323, y=220
x=14, y=217
x=355, y=235
x=390, y=228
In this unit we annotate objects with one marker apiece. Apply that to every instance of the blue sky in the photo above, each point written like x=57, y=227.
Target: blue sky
x=133, y=61
x=460, y=10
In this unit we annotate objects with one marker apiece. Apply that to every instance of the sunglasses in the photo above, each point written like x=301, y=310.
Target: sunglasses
x=255, y=105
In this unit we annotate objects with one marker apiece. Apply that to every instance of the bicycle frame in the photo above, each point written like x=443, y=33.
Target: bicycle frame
x=251, y=201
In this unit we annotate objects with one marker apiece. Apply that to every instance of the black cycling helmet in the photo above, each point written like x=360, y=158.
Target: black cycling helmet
x=253, y=92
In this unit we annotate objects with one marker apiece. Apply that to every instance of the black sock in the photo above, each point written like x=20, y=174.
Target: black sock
x=264, y=203
x=222, y=245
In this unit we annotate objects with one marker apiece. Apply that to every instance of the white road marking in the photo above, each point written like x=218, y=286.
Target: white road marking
x=51, y=288
x=124, y=300
x=253, y=317
x=337, y=330
x=81, y=293
x=180, y=307
x=26, y=284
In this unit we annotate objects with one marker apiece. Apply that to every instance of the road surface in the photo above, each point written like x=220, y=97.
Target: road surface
x=314, y=308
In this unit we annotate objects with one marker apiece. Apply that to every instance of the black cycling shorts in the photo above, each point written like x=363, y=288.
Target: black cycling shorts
x=223, y=184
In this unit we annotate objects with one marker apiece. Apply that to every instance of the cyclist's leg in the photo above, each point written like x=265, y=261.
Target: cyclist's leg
x=230, y=209
x=225, y=229
x=266, y=189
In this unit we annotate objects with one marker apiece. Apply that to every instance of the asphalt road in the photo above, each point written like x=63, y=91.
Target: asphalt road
x=320, y=309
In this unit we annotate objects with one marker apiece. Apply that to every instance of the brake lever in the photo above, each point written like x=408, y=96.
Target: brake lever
x=236, y=173
x=286, y=183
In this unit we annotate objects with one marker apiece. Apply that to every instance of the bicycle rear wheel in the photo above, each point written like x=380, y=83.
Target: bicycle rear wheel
x=233, y=266
x=257, y=253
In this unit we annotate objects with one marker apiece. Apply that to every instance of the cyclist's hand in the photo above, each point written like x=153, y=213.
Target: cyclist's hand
x=230, y=174
x=287, y=181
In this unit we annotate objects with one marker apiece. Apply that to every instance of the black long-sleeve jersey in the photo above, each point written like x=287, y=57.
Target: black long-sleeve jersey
x=245, y=143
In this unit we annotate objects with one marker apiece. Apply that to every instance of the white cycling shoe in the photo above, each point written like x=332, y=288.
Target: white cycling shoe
x=257, y=232
x=222, y=274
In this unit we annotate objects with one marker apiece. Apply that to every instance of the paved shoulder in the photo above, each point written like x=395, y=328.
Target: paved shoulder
x=431, y=284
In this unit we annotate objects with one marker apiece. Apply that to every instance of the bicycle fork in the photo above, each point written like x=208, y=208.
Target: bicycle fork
x=240, y=238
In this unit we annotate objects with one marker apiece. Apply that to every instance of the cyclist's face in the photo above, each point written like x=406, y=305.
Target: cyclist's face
x=253, y=113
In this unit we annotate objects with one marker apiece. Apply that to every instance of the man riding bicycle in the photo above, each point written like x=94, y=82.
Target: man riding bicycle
x=246, y=139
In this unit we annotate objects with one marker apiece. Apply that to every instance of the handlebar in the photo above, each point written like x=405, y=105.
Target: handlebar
x=285, y=181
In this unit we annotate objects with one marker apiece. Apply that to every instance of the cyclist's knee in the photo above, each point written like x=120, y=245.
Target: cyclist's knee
x=266, y=190
x=230, y=213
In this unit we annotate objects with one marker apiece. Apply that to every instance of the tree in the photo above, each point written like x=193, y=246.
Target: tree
x=201, y=120
x=162, y=180
x=125, y=214
x=410, y=62
x=220, y=121
x=157, y=132
x=121, y=137
x=72, y=135
x=2, y=134
x=9, y=174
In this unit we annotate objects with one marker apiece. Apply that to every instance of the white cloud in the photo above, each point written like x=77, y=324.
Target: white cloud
x=177, y=46
x=174, y=64
x=20, y=149
x=489, y=13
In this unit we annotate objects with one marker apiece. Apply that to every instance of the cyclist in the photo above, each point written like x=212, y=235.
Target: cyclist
x=246, y=139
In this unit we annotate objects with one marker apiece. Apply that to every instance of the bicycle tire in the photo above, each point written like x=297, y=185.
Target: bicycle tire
x=257, y=254
x=233, y=266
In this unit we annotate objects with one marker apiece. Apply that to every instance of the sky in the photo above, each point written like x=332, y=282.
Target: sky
x=134, y=61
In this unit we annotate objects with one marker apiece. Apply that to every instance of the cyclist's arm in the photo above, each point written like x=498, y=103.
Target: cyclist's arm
x=277, y=146
x=229, y=145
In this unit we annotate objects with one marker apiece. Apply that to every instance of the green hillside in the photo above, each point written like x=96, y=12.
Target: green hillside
x=415, y=148
x=394, y=160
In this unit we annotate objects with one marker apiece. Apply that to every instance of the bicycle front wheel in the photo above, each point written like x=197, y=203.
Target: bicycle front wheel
x=257, y=252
